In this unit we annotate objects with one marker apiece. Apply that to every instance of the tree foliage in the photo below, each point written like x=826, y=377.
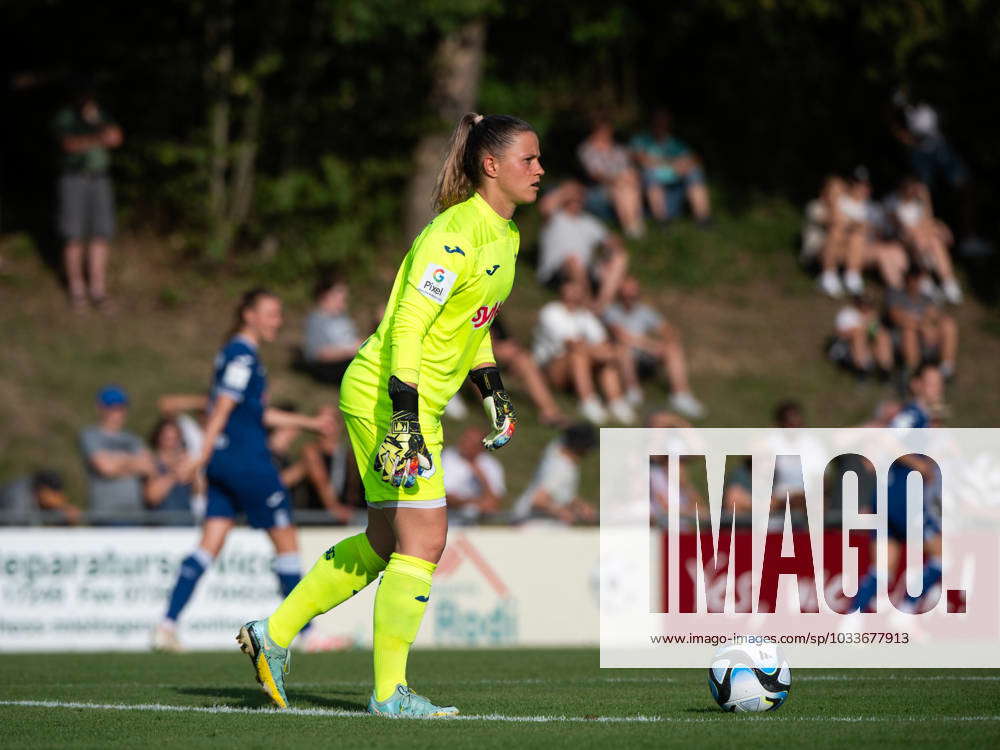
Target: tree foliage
x=326, y=100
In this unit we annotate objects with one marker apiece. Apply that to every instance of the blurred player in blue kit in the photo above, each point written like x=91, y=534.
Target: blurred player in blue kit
x=236, y=461
x=927, y=390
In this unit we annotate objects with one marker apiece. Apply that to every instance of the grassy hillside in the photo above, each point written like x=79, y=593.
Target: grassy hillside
x=752, y=322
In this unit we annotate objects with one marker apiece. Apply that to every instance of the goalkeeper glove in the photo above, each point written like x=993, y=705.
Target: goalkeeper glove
x=499, y=408
x=402, y=455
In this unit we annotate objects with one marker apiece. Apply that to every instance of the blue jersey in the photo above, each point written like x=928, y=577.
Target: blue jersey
x=911, y=416
x=240, y=375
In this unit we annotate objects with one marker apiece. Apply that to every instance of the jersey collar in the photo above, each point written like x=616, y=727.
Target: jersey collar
x=487, y=212
x=245, y=340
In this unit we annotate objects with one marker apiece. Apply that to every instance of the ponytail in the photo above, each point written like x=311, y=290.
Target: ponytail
x=247, y=301
x=474, y=137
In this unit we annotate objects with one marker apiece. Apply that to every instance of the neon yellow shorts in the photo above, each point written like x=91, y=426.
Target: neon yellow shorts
x=365, y=437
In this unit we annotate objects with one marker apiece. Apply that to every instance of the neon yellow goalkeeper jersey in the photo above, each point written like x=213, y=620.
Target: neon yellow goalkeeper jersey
x=453, y=280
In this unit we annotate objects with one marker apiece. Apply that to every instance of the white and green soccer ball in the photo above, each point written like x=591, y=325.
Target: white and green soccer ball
x=749, y=677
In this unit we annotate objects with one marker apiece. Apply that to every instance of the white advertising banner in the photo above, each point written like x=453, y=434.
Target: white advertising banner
x=105, y=589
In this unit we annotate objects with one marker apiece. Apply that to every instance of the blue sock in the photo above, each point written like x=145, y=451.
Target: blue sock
x=867, y=589
x=932, y=574
x=288, y=568
x=191, y=570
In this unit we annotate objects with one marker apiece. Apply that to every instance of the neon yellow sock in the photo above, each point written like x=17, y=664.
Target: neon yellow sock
x=339, y=574
x=399, y=607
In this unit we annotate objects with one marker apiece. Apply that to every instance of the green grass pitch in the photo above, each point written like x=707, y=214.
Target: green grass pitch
x=526, y=698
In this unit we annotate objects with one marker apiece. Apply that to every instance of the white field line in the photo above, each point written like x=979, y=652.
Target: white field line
x=502, y=683
x=326, y=712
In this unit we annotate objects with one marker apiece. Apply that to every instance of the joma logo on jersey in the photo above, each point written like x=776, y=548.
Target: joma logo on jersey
x=485, y=314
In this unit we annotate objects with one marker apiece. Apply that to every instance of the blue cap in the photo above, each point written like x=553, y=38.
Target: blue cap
x=112, y=395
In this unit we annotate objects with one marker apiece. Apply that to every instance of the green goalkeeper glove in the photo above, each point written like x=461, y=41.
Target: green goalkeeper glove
x=402, y=456
x=496, y=402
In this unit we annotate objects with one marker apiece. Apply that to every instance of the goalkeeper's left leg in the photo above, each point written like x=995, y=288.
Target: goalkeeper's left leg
x=340, y=573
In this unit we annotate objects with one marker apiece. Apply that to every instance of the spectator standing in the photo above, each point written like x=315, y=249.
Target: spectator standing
x=32, y=500
x=571, y=345
x=552, y=494
x=650, y=342
x=117, y=462
x=615, y=182
x=671, y=172
x=190, y=412
x=473, y=479
x=568, y=242
x=331, y=335
x=170, y=489
x=86, y=221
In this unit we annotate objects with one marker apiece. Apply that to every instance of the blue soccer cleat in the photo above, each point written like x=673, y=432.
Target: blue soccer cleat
x=404, y=702
x=270, y=661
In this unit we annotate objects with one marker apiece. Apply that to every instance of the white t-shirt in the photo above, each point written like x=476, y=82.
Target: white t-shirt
x=461, y=482
x=557, y=325
x=922, y=120
x=641, y=320
x=557, y=474
x=566, y=235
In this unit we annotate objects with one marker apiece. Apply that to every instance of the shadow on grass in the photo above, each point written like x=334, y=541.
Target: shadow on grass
x=254, y=698
x=702, y=711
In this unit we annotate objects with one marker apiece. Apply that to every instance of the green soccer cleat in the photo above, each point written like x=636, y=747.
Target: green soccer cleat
x=270, y=661
x=404, y=702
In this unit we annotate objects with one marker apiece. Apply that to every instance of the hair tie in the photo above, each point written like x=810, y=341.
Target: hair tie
x=477, y=119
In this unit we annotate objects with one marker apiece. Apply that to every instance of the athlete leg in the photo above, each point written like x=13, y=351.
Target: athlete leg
x=97, y=265
x=340, y=573
x=213, y=537
x=287, y=566
x=868, y=585
x=405, y=590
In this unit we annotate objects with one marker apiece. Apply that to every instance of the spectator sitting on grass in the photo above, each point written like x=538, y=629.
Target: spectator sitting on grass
x=859, y=236
x=117, y=462
x=615, y=182
x=671, y=172
x=552, y=494
x=923, y=331
x=651, y=341
x=171, y=488
x=35, y=499
x=328, y=462
x=473, y=479
x=927, y=238
x=331, y=335
x=511, y=355
x=861, y=343
x=659, y=478
x=571, y=345
x=568, y=241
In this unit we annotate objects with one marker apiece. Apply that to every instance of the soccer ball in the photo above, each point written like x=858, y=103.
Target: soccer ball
x=749, y=677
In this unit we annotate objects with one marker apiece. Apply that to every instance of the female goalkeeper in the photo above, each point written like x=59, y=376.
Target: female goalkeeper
x=435, y=333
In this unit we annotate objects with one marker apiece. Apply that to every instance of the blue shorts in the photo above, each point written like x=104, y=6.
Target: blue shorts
x=257, y=493
x=676, y=191
x=896, y=496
